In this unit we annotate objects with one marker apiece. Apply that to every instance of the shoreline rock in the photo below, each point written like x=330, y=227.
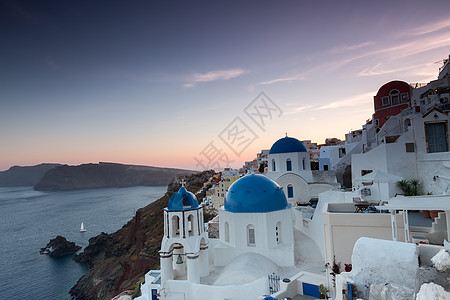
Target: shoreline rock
x=59, y=246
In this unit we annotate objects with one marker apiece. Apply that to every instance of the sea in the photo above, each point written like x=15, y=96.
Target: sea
x=29, y=219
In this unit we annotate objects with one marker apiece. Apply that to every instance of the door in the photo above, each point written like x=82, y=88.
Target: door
x=436, y=137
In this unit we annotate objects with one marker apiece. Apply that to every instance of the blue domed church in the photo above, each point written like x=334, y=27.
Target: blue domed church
x=256, y=238
x=290, y=166
x=256, y=218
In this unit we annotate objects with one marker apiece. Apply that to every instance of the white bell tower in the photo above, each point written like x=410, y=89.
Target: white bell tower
x=184, y=248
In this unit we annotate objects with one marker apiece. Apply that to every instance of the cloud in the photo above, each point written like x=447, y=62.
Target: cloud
x=352, y=101
x=345, y=48
x=349, y=102
x=284, y=79
x=428, y=28
x=213, y=76
x=379, y=70
x=296, y=110
x=392, y=54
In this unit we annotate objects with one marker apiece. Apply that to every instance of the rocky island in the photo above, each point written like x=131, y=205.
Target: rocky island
x=118, y=261
x=60, y=246
x=104, y=175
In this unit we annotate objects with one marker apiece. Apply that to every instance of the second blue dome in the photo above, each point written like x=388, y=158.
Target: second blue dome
x=286, y=145
x=255, y=194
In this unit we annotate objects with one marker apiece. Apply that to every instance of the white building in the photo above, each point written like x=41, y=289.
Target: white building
x=290, y=167
x=331, y=155
x=257, y=219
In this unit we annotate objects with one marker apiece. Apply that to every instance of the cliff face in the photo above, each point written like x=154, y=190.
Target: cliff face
x=119, y=260
x=24, y=176
x=104, y=175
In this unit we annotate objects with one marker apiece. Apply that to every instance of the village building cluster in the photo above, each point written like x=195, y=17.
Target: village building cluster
x=367, y=218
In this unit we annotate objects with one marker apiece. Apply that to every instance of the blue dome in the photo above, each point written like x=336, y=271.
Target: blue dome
x=182, y=200
x=286, y=145
x=255, y=194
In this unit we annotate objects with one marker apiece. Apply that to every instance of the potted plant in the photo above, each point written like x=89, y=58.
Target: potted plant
x=412, y=188
x=323, y=292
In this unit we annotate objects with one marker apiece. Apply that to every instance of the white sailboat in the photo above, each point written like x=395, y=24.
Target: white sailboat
x=82, y=229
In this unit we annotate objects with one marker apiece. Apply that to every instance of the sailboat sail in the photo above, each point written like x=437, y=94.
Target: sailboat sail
x=82, y=229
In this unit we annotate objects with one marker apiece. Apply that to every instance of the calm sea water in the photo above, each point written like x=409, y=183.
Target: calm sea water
x=29, y=219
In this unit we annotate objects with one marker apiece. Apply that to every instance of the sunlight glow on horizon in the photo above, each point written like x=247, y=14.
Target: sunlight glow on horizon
x=161, y=88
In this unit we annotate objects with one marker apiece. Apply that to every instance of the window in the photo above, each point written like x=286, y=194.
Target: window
x=290, y=191
x=175, y=226
x=394, y=97
x=405, y=97
x=409, y=147
x=325, y=167
x=251, y=235
x=273, y=165
x=190, y=225
x=436, y=134
x=278, y=233
x=385, y=101
x=341, y=152
x=303, y=164
x=227, y=232
x=288, y=165
x=377, y=122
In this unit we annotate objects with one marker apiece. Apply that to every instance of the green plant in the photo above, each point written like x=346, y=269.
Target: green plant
x=410, y=187
x=323, y=291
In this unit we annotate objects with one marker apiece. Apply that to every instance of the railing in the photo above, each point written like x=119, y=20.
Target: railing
x=274, y=283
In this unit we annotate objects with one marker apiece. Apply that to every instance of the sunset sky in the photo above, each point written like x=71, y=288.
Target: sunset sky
x=164, y=82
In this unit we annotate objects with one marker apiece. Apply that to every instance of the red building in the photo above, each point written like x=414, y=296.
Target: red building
x=390, y=100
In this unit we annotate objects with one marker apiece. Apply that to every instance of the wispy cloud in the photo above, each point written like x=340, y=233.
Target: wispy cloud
x=392, y=54
x=213, y=76
x=378, y=69
x=347, y=48
x=428, y=28
x=296, y=110
x=283, y=79
x=350, y=101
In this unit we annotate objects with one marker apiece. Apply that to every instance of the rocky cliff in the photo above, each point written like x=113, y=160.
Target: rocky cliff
x=103, y=175
x=119, y=260
x=24, y=176
x=60, y=246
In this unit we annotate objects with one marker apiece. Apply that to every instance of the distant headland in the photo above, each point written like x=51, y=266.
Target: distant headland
x=57, y=177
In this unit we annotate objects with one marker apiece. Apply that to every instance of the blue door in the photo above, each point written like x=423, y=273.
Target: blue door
x=154, y=294
x=311, y=290
x=436, y=137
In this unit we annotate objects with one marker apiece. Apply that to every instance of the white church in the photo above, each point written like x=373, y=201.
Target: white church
x=289, y=165
x=256, y=239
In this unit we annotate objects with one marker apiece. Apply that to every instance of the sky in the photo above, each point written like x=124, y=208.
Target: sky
x=200, y=84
